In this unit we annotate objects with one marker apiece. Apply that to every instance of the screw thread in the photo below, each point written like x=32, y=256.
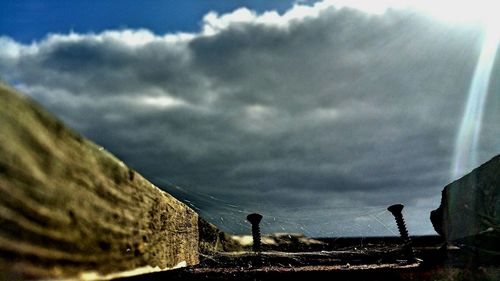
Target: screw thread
x=254, y=219
x=403, y=231
x=256, y=237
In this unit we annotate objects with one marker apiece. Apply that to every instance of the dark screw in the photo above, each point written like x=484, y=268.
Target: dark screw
x=255, y=219
x=396, y=211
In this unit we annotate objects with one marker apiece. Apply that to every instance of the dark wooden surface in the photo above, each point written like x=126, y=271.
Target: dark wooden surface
x=470, y=206
x=378, y=258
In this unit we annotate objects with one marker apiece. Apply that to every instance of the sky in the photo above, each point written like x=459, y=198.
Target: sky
x=318, y=114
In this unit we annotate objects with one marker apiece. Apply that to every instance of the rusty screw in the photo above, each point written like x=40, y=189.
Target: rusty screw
x=255, y=219
x=396, y=211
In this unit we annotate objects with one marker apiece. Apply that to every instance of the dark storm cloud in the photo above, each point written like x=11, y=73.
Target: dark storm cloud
x=339, y=108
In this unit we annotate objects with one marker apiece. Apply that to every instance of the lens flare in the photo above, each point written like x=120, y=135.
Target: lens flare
x=466, y=146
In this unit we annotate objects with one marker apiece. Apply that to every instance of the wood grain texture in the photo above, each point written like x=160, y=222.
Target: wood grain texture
x=68, y=206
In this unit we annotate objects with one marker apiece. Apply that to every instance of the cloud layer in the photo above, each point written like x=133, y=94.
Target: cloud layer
x=317, y=115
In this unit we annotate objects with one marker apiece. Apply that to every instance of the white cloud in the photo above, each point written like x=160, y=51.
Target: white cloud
x=10, y=49
x=161, y=101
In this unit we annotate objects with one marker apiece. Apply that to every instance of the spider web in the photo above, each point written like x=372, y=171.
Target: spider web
x=312, y=221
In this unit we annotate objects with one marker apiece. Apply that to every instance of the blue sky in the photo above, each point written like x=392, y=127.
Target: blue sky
x=316, y=116
x=29, y=20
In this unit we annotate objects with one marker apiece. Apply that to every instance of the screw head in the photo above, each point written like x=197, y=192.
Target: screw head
x=254, y=218
x=396, y=208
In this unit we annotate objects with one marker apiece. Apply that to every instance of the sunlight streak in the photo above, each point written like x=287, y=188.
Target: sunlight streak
x=466, y=146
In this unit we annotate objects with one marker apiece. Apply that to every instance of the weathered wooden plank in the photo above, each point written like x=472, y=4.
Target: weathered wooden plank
x=470, y=208
x=68, y=206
